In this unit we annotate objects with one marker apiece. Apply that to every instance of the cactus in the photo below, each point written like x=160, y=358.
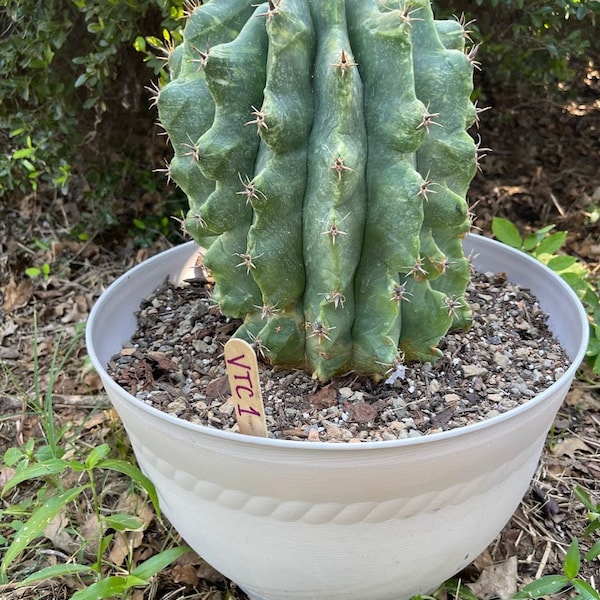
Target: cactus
x=323, y=147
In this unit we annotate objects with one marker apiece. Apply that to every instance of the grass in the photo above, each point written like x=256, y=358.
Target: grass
x=79, y=520
x=67, y=511
x=64, y=482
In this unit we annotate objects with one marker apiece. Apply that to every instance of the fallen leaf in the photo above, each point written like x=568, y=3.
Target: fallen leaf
x=208, y=572
x=162, y=361
x=361, y=412
x=583, y=399
x=185, y=574
x=96, y=419
x=56, y=532
x=498, y=580
x=127, y=541
x=324, y=398
x=217, y=388
x=6, y=473
x=122, y=545
x=90, y=533
x=593, y=469
x=8, y=328
x=549, y=504
x=569, y=446
x=16, y=295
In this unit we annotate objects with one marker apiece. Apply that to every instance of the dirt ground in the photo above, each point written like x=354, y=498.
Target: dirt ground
x=544, y=168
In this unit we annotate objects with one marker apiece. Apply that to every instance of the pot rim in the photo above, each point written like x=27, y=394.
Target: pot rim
x=565, y=379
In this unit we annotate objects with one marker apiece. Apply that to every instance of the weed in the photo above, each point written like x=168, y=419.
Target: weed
x=51, y=479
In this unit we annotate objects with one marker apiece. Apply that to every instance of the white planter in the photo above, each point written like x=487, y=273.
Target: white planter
x=373, y=521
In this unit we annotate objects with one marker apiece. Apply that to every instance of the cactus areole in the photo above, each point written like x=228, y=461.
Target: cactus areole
x=324, y=151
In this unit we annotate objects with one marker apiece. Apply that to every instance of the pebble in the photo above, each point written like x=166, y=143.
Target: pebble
x=483, y=372
x=502, y=360
x=473, y=370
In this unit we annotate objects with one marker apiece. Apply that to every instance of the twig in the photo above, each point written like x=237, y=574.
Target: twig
x=544, y=560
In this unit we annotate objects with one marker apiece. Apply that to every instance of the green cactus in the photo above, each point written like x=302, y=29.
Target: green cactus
x=322, y=145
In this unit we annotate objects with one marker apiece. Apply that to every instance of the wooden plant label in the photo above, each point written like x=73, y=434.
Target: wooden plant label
x=242, y=372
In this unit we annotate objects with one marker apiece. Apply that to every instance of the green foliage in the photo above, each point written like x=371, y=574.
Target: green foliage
x=41, y=488
x=593, y=509
x=545, y=246
x=550, y=585
x=63, y=66
x=556, y=584
x=324, y=145
x=539, y=42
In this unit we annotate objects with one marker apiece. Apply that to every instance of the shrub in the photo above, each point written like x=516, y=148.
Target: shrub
x=65, y=67
x=532, y=42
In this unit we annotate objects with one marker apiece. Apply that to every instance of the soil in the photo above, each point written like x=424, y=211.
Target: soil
x=174, y=362
x=544, y=169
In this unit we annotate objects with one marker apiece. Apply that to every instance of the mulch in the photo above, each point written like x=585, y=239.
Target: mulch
x=543, y=169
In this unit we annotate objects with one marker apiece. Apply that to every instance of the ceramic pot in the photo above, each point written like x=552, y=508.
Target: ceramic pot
x=293, y=520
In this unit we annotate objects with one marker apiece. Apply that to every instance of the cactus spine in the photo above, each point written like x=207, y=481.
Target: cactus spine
x=323, y=148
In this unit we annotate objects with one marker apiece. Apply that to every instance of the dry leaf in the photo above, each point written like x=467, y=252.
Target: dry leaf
x=497, y=580
x=569, y=446
x=162, y=361
x=8, y=328
x=185, y=574
x=56, y=532
x=123, y=543
x=95, y=420
x=583, y=399
x=6, y=473
x=16, y=295
x=126, y=542
x=593, y=469
x=90, y=532
x=324, y=398
x=217, y=388
x=361, y=412
x=208, y=572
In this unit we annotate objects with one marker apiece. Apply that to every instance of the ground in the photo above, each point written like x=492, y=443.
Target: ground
x=543, y=168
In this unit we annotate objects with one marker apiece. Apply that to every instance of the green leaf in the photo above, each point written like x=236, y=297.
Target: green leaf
x=135, y=475
x=123, y=522
x=107, y=588
x=549, y=584
x=552, y=243
x=455, y=588
x=36, y=524
x=572, y=562
x=585, y=590
x=560, y=263
x=96, y=455
x=81, y=80
x=61, y=570
x=154, y=41
x=506, y=232
x=584, y=497
x=593, y=552
x=530, y=242
x=49, y=467
x=12, y=456
x=23, y=153
x=28, y=165
x=540, y=234
x=139, y=44
x=594, y=525
x=158, y=562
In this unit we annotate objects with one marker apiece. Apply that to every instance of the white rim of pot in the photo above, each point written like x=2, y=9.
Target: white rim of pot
x=429, y=438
